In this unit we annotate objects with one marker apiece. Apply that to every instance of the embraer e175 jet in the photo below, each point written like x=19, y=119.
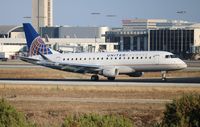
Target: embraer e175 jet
x=108, y=64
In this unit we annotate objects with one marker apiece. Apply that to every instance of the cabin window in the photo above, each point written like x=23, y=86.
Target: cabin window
x=80, y=59
x=107, y=58
x=63, y=59
x=149, y=57
x=76, y=58
x=115, y=57
x=84, y=58
x=98, y=58
x=141, y=57
x=132, y=57
x=67, y=58
x=72, y=59
x=93, y=58
x=101, y=58
x=128, y=58
x=136, y=57
x=89, y=58
x=119, y=57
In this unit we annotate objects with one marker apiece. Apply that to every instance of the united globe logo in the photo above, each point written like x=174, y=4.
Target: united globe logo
x=38, y=46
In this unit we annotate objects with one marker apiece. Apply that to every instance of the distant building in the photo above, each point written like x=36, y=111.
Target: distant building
x=42, y=13
x=74, y=32
x=11, y=31
x=12, y=39
x=129, y=40
x=149, y=24
x=178, y=41
x=179, y=37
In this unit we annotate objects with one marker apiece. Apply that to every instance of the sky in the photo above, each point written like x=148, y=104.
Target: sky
x=78, y=12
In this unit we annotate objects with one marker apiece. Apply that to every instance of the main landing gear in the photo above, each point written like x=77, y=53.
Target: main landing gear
x=111, y=78
x=94, y=78
x=163, y=73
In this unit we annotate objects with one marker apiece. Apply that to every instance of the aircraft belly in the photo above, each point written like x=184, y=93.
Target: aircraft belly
x=158, y=67
x=125, y=69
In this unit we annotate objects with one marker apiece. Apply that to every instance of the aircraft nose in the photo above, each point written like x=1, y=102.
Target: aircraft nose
x=182, y=65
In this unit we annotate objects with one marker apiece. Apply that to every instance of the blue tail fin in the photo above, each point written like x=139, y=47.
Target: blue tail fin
x=35, y=43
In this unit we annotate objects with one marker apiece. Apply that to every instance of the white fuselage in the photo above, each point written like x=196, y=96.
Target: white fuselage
x=125, y=62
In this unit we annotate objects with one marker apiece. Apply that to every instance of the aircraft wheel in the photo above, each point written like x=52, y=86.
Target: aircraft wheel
x=164, y=77
x=111, y=78
x=94, y=78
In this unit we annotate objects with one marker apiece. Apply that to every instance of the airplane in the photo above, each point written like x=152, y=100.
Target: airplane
x=107, y=64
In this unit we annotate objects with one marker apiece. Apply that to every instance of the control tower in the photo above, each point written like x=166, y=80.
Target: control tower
x=42, y=13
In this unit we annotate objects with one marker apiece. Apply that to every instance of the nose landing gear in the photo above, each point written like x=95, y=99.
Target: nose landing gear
x=163, y=73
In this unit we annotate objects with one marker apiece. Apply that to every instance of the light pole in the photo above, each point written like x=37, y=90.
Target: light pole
x=27, y=17
x=38, y=24
x=39, y=29
x=95, y=14
x=181, y=13
x=110, y=17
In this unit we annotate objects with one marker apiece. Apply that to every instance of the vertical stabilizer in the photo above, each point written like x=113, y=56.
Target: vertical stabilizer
x=35, y=43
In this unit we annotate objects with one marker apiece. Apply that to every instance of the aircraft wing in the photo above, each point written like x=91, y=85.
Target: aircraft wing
x=80, y=68
x=72, y=67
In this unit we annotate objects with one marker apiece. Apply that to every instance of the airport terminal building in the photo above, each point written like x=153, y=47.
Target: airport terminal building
x=64, y=39
x=178, y=41
x=179, y=37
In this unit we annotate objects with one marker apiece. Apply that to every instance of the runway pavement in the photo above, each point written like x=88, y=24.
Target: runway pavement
x=195, y=82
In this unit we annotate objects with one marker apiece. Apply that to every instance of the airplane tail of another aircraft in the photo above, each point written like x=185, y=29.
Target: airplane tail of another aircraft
x=35, y=44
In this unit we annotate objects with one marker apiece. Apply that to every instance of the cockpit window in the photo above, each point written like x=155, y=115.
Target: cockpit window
x=167, y=56
x=173, y=56
x=170, y=56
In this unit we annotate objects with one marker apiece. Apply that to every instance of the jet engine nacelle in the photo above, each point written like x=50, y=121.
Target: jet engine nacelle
x=136, y=74
x=111, y=72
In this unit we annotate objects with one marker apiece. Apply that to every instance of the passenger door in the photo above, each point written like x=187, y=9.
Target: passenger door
x=156, y=58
